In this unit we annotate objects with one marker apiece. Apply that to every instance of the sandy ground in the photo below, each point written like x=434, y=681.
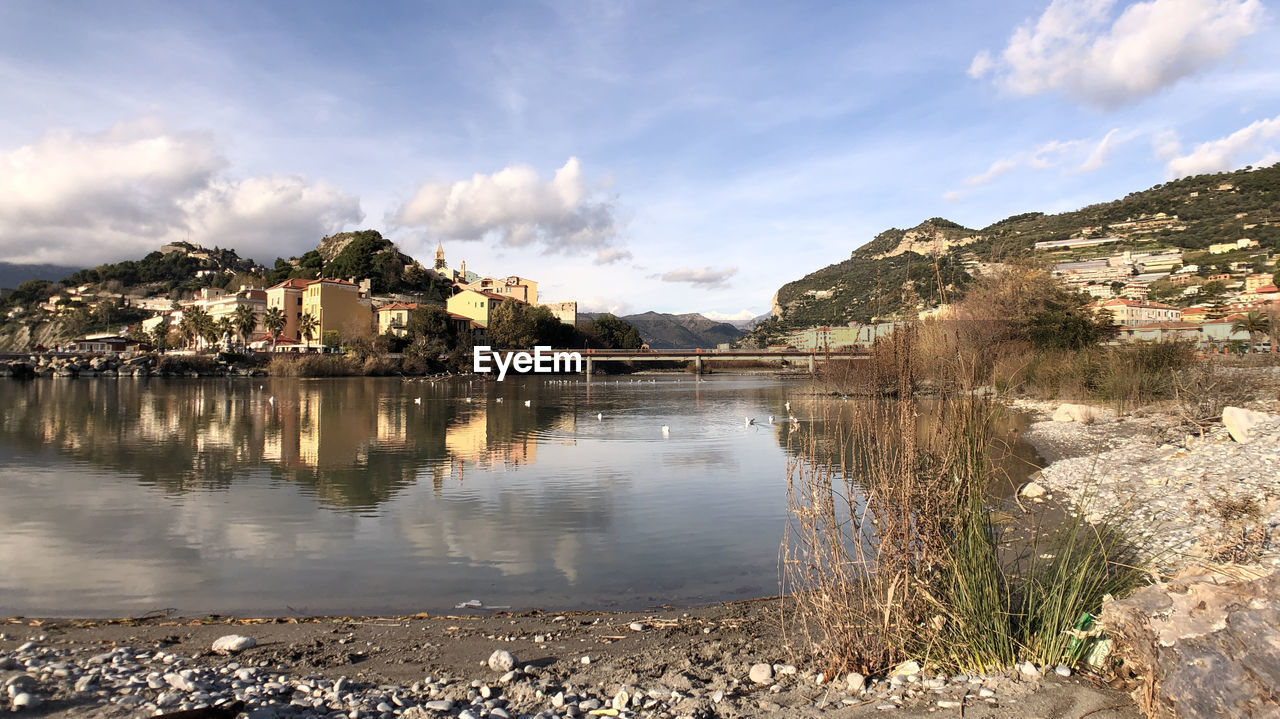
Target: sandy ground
x=695, y=652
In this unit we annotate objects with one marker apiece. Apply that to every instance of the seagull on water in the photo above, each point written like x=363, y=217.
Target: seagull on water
x=417, y=400
x=599, y=415
x=499, y=400
x=271, y=400
x=666, y=431
x=750, y=421
x=770, y=419
x=468, y=400
x=528, y=403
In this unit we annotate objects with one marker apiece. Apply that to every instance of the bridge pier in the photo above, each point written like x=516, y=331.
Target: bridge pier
x=588, y=368
x=697, y=365
x=811, y=364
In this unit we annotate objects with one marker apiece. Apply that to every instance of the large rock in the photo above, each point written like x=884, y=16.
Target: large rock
x=1078, y=413
x=761, y=673
x=502, y=661
x=232, y=643
x=1241, y=422
x=1201, y=646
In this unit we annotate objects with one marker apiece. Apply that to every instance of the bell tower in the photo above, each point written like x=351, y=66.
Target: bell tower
x=440, y=265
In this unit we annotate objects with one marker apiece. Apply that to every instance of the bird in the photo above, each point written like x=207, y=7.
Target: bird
x=499, y=400
x=528, y=403
x=666, y=431
x=271, y=400
x=770, y=419
x=417, y=400
x=468, y=400
x=599, y=415
x=750, y=421
x=788, y=406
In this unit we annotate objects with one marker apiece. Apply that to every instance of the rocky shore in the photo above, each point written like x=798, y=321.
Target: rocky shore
x=724, y=661
x=141, y=365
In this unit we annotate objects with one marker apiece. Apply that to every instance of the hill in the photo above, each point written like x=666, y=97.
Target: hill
x=668, y=331
x=361, y=254
x=12, y=275
x=937, y=259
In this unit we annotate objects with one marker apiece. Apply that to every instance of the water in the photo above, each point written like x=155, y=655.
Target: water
x=347, y=496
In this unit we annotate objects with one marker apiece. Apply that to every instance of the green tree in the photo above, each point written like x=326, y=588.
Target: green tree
x=222, y=330
x=244, y=320
x=1253, y=322
x=613, y=332
x=517, y=325
x=308, y=325
x=274, y=320
x=160, y=334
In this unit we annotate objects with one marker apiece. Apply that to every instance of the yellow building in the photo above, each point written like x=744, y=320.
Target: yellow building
x=393, y=317
x=518, y=288
x=338, y=306
x=287, y=297
x=474, y=305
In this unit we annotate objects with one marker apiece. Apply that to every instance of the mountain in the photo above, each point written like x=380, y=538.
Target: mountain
x=934, y=261
x=357, y=255
x=12, y=275
x=668, y=331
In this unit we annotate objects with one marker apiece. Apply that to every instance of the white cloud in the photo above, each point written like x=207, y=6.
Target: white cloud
x=515, y=207
x=1077, y=47
x=701, y=276
x=82, y=199
x=610, y=255
x=1166, y=145
x=1254, y=144
x=740, y=316
x=1082, y=155
x=597, y=304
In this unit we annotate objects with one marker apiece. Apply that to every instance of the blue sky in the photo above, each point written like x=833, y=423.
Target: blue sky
x=688, y=156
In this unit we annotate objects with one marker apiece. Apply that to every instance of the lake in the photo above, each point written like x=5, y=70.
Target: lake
x=282, y=496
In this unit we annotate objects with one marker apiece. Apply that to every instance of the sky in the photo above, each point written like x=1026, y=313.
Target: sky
x=669, y=156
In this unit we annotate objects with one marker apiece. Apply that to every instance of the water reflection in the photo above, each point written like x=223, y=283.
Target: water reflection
x=372, y=496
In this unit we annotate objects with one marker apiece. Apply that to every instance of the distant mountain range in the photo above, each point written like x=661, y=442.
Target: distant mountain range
x=668, y=331
x=12, y=275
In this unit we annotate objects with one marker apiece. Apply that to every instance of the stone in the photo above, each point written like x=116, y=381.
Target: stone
x=621, y=700
x=1062, y=671
x=906, y=669
x=855, y=682
x=948, y=704
x=502, y=661
x=1240, y=422
x=636, y=627
x=25, y=701
x=760, y=673
x=1031, y=490
x=1078, y=413
x=233, y=643
x=1028, y=670
x=439, y=705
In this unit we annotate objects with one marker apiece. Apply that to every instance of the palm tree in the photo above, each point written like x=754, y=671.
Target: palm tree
x=245, y=319
x=274, y=321
x=160, y=333
x=197, y=325
x=1255, y=323
x=307, y=325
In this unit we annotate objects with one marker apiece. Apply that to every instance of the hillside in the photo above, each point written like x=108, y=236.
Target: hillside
x=12, y=275
x=361, y=254
x=668, y=331
x=938, y=258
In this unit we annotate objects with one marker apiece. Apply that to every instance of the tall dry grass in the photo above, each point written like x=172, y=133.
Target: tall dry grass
x=891, y=553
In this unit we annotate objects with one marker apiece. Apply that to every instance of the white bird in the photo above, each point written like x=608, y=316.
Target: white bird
x=528, y=403
x=666, y=431
x=788, y=406
x=271, y=400
x=262, y=386
x=599, y=415
x=770, y=419
x=750, y=421
x=468, y=400
x=417, y=400
x=499, y=400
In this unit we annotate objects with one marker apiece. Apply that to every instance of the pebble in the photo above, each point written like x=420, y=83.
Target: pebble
x=760, y=673
x=636, y=627
x=502, y=661
x=1062, y=671
x=233, y=643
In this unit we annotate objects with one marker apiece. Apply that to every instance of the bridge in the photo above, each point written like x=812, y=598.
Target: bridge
x=699, y=356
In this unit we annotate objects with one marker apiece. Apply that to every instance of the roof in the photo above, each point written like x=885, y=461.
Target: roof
x=399, y=306
x=1136, y=303
x=293, y=283
x=279, y=339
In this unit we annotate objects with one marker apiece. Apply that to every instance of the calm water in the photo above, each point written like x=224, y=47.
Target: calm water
x=282, y=496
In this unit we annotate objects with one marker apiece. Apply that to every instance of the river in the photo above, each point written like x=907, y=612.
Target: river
x=120, y=497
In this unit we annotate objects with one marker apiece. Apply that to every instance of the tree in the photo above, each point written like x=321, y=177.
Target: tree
x=224, y=327
x=274, y=320
x=1255, y=323
x=615, y=333
x=244, y=320
x=518, y=325
x=196, y=324
x=160, y=333
x=308, y=325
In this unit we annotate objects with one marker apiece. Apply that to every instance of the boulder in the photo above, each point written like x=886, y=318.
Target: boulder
x=760, y=673
x=1031, y=490
x=502, y=661
x=1200, y=646
x=1078, y=413
x=232, y=643
x=1240, y=422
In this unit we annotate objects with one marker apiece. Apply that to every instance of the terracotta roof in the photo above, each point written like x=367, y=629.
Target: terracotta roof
x=293, y=283
x=399, y=306
x=280, y=340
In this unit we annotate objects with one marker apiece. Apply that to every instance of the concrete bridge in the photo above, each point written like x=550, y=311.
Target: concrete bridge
x=699, y=356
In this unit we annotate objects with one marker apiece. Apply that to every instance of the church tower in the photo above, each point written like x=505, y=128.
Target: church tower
x=440, y=264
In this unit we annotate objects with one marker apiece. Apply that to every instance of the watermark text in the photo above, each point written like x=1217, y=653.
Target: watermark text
x=542, y=360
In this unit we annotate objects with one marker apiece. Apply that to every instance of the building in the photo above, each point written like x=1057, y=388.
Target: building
x=566, y=312
x=219, y=304
x=105, y=343
x=518, y=288
x=1135, y=313
x=458, y=276
x=1075, y=243
x=475, y=305
x=341, y=310
x=394, y=317
x=1253, y=282
x=287, y=297
x=1225, y=247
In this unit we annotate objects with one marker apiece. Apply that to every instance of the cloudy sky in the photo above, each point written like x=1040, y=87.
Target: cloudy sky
x=677, y=156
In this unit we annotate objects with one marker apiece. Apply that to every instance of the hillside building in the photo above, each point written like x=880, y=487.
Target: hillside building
x=1135, y=313
x=518, y=288
x=338, y=306
x=394, y=317
x=475, y=305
